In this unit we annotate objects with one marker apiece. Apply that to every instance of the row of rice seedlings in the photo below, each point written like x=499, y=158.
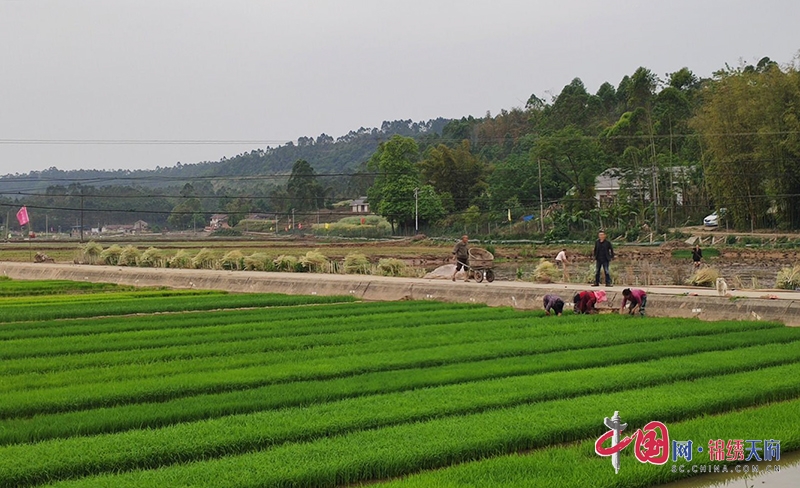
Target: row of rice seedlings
x=397, y=332
x=167, y=303
x=9, y=288
x=135, y=340
x=40, y=347
x=192, y=408
x=340, y=447
x=103, y=296
x=426, y=328
x=83, y=326
x=239, y=348
x=578, y=465
x=313, y=364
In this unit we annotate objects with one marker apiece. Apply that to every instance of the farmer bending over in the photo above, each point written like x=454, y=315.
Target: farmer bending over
x=554, y=303
x=461, y=252
x=585, y=302
x=637, y=299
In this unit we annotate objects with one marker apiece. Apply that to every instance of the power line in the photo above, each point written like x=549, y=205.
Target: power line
x=142, y=142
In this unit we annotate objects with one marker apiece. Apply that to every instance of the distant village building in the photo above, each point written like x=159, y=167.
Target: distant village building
x=606, y=187
x=608, y=183
x=117, y=229
x=218, y=221
x=359, y=205
x=138, y=226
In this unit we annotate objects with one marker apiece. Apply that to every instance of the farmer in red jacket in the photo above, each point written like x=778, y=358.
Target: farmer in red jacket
x=585, y=302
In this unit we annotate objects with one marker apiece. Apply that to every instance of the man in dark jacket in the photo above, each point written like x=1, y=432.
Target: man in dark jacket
x=603, y=254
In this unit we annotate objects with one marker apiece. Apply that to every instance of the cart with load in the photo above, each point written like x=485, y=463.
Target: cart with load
x=481, y=262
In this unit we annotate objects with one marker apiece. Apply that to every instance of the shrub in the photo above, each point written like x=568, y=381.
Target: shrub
x=111, y=255
x=391, y=267
x=704, y=277
x=731, y=240
x=788, y=278
x=546, y=272
x=373, y=226
x=314, y=261
x=285, y=262
x=226, y=233
x=356, y=263
x=205, y=259
x=181, y=259
x=152, y=258
x=129, y=256
x=233, y=260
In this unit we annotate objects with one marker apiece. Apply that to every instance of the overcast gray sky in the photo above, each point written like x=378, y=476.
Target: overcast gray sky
x=275, y=70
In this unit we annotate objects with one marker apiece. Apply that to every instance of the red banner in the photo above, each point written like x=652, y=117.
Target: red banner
x=22, y=216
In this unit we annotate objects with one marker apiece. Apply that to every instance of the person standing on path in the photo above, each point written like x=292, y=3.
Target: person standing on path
x=561, y=260
x=603, y=254
x=461, y=253
x=697, y=256
x=637, y=299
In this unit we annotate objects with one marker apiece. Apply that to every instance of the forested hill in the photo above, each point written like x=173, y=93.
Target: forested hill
x=325, y=154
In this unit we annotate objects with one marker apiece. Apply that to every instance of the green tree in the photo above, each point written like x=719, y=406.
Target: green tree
x=576, y=159
x=303, y=188
x=392, y=194
x=455, y=171
x=749, y=122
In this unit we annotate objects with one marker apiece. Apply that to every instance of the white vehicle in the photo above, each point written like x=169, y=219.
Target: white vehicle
x=713, y=219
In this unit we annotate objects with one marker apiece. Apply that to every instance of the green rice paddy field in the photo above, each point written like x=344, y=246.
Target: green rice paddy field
x=115, y=387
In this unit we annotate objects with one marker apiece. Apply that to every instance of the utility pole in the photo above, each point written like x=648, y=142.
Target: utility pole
x=292, y=221
x=81, y=214
x=541, y=200
x=416, y=210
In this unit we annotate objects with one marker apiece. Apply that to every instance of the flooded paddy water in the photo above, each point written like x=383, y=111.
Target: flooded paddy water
x=787, y=477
